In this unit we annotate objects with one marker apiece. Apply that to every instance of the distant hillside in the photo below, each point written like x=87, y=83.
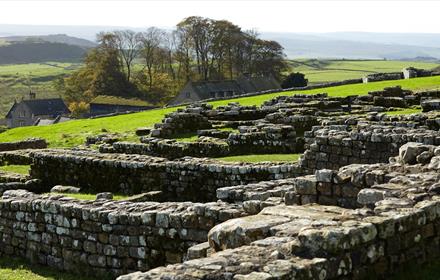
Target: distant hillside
x=350, y=46
x=31, y=52
x=55, y=38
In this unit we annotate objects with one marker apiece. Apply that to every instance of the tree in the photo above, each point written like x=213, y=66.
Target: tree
x=128, y=43
x=151, y=41
x=294, y=80
x=101, y=74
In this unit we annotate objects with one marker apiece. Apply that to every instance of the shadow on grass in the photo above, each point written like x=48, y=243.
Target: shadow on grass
x=20, y=269
x=428, y=271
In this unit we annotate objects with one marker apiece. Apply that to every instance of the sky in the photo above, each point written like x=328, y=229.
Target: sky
x=262, y=15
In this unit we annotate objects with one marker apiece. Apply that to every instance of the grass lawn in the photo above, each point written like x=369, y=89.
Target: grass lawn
x=430, y=271
x=404, y=111
x=21, y=169
x=18, y=269
x=87, y=196
x=262, y=158
x=186, y=137
x=318, y=71
x=16, y=78
x=73, y=133
x=346, y=90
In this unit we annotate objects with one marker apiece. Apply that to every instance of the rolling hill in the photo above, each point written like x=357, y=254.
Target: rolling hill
x=356, y=46
x=34, y=49
x=53, y=38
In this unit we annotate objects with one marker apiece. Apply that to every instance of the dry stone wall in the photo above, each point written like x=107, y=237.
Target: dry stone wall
x=33, y=143
x=185, y=179
x=180, y=122
x=398, y=226
x=170, y=149
x=104, y=237
x=332, y=149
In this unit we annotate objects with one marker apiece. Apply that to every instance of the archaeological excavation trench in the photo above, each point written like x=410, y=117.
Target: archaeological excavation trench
x=362, y=201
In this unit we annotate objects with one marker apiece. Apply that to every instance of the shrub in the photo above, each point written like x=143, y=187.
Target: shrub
x=294, y=80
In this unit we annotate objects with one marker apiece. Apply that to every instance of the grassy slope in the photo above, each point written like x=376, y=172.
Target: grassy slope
x=261, y=158
x=333, y=70
x=20, y=169
x=18, y=269
x=359, y=89
x=74, y=132
x=87, y=196
x=14, y=80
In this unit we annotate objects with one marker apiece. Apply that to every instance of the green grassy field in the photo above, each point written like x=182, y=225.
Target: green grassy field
x=318, y=71
x=87, y=196
x=262, y=158
x=16, y=78
x=20, y=169
x=73, y=133
x=19, y=269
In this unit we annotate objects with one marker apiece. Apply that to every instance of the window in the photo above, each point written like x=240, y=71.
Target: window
x=22, y=114
x=188, y=94
x=21, y=123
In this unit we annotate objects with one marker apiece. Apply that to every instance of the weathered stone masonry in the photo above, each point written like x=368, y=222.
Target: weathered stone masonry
x=33, y=143
x=333, y=147
x=188, y=179
x=104, y=237
x=399, y=226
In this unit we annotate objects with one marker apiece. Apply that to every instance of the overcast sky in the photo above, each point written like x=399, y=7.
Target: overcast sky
x=278, y=16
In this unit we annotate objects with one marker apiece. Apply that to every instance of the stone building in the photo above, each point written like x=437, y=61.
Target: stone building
x=201, y=90
x=103, y=105
x=30, y=111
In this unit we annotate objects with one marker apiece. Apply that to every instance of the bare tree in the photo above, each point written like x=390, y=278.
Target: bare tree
x=151, y=41
x=128, y=43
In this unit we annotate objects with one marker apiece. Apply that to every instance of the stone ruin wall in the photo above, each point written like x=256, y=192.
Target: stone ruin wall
x=398, y=225
x=187, y=179
x=104, y=237
x=33, y=143
x=268, y=225
x=335, y=147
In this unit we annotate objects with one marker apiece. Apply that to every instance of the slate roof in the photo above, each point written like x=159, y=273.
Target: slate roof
x=240, y=86
x=42, y=107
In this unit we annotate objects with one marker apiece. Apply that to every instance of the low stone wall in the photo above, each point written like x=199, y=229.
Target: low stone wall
x=104, y=237
x=236, y=112
x=430, y=121
x=388, y=102
x=301, y=123
x=326, y=187
x=17, y=157
x=265, y=138
x=7, y=177
x=185, y=179
x=33, y=143
x=399, y=226
x=377, y=77
x=332, y=149
x=170, y=149
x=180, y=122
x=430, y=105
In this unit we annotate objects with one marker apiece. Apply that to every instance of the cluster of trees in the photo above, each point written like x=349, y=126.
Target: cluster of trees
x=154, y=64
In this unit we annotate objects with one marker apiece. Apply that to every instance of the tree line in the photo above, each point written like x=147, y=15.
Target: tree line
x=153, y=65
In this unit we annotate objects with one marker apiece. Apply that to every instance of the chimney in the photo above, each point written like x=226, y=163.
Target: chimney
x=32, y=95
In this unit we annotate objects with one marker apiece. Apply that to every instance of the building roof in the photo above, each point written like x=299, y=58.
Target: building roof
x=114, y=100
x=41, y=107
x=239, y=86
x=44, y=122
x=205, y=88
